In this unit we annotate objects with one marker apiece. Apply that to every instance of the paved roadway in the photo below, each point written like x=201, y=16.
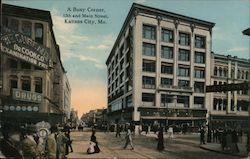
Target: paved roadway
x=181, y=147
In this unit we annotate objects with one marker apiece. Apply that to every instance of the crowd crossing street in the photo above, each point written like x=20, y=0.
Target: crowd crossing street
x=145, y=146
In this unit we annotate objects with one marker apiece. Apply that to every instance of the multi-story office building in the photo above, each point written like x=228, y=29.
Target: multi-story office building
x=229, y=108
x=32, y=74
x=158, y=68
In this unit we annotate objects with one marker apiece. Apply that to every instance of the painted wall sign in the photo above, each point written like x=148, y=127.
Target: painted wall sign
x=24, y=48
x=28, y=96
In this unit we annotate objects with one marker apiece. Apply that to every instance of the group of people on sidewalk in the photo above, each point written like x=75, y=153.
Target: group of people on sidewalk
x=25, y=142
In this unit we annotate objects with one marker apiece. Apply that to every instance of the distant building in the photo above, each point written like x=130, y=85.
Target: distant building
x=158, y=68
x=33, y=80
x=97, y=117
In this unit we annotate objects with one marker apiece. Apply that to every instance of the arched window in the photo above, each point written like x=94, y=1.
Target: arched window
x=215, y=71
x=225, y=72
x=242, y=74
x=238, y=74
x=246, y=74
x=220, y=72
x=39, y=33
x=232, y=73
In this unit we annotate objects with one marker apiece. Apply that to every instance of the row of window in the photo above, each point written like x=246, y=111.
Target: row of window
x=167, y=35
x=26, y=83
x=149, y=49
x=149, y=82
x=17, y=64
x=167, y=68
x=168, y=100
x=26, y=28
x=222, y=104
x=223, y=72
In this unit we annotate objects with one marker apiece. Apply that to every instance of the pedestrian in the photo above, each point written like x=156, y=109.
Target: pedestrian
x=69, y=142
x=93, y=147
x=30, y=148
x=235, y=148
x=51, y=143
x=171, y=132
x=128, y=139
x=160, y=145
x=61, y=141
x=202, y=135
x=118, y=130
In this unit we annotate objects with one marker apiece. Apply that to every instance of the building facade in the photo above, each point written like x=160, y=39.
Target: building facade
x=32, y=74
x=159, y=67
x=229, y=108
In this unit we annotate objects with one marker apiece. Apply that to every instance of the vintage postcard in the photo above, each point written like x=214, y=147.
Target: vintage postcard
x=125, y=79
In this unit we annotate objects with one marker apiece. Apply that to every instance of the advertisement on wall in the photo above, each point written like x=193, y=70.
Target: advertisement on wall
x=24, y=48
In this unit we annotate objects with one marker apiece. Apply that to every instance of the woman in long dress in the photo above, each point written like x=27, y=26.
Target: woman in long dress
x=160, y=145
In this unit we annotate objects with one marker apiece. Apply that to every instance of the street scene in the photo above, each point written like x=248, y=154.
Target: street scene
x=124, y=79
x=180, y=147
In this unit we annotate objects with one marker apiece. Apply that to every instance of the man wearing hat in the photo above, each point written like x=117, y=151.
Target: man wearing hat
x=30, y=148
x=51, y=143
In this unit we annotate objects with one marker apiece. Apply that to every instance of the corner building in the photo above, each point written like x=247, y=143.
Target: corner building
x=31, y=93
x=159, y=67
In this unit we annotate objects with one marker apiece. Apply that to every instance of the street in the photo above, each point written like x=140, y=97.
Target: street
x=181, y=147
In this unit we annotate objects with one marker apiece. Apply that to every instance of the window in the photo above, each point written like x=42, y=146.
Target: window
x=166, y=68
x=182, y=71
x=167, y=35
x=39, y=33
x=215, y=71
x=148, y=49
x=183, y=55
x=25, y=83
x=13, y=63
x=166, y=99
x=200, y=41
x=26, y=28
x=148, y=97
x=199, y=57
x=25, y=65
x=149, y=32
x=199, y=87
x=5, y=21
x=198, y=73
x=148, y=66
x=38, y=85
x=148, y=82
x=13, y=81
x=183, y=83
x=166, y=81
x=199, y=102
x=14, y=24
x=166, y=52
x=184, y=39
x=182, y=101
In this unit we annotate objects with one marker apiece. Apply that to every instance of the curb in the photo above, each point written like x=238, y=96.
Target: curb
x=218, y=151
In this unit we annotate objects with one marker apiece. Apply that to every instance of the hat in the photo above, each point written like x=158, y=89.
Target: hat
x=30, y=129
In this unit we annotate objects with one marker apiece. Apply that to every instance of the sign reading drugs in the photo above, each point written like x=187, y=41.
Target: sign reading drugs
x=24, y=48
x=28, y=96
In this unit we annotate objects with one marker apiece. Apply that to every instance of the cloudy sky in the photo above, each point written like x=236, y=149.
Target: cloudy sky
x=85, y=47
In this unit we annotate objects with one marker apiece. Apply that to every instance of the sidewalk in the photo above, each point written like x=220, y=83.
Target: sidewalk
x=216, y=147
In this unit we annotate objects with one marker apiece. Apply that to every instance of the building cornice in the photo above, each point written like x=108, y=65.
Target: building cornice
x=138, y=8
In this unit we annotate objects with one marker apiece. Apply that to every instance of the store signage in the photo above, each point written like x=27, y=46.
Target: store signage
x=28, y=96
x=24, y=48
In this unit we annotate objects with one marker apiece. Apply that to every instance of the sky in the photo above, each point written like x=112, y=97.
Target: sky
x=85, y=47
